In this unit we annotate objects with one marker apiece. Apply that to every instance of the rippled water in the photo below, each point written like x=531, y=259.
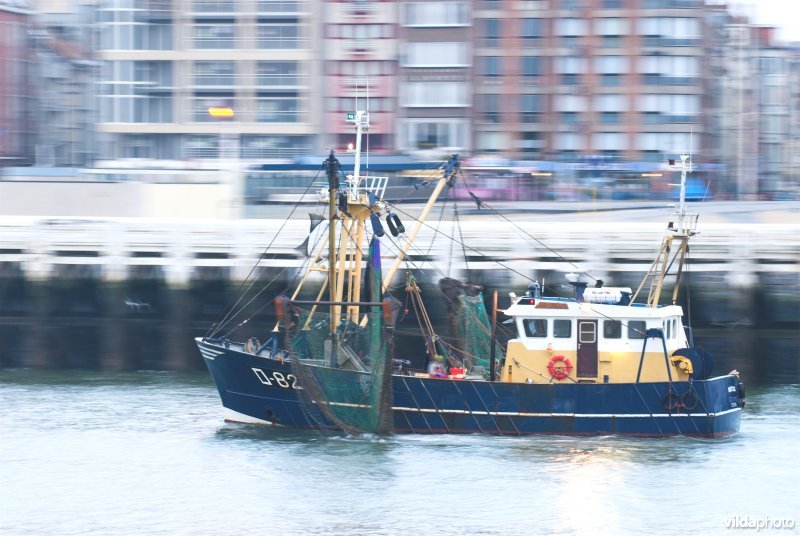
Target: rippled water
x=148, y=453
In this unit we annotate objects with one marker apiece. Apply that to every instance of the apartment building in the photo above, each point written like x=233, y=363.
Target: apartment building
x=16, y=110
x=360, y=71
x=168, y=62
x=609, y=80
x=65, y=71
x=613, y=78
x=435, y=103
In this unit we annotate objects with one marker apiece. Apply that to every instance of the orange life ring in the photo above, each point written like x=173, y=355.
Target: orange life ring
x=559, y=372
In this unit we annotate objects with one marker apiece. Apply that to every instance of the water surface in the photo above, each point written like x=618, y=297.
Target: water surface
x=148, y=453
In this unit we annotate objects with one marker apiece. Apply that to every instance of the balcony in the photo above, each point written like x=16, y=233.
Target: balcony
x=215, y=80
x=215, y=7
x=153, y=10
x=281, y=82
x=278, y=8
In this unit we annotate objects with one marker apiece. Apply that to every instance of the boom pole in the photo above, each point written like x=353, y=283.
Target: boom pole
x=453, y=166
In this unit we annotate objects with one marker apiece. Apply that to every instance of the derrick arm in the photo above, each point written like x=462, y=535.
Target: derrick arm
x=451, y=169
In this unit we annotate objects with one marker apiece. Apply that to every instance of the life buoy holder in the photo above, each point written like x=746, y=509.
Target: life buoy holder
x=562, y=371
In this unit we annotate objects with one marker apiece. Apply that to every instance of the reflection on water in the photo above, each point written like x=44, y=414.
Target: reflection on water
x=148, y=453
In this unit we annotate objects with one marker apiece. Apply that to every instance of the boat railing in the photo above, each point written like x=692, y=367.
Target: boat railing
x=687, y=223
x=368, y=184
x=690, y=219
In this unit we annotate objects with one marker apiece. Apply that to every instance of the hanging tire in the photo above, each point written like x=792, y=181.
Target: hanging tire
x=689, y=400
x=671, y=401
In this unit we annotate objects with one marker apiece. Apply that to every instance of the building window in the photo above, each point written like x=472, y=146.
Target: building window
x=651, y=118
x=152, y=36
x=277, y=109
x=436, y=54
x=491, y=108
x=571, y=27
x=201, y=147
x=214, y=6
x=214, y=36
x=214, y=73
x=530, y=108
x=570, y=79
x=491, y=32
x=608, y=142
x=531, y=66
x=491, y=66
x=278, y=74
x=670, y=31
x=282, y=8
x=204, y=102
x=531, y=143
x=570, y=118
x=532, y=29
x=611, y=80
x=278, y=36
x=610, y=118
x=435, y=95
x=435, y=14
x=612, y=329
x=535, y=327
x=612, y=26
x=258, y=147
x=429, y=134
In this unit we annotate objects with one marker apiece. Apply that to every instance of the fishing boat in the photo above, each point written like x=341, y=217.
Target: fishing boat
x=601, y=361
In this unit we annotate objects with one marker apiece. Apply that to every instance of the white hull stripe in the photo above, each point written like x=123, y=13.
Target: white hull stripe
x=231, y=415
x=208, y=353
x=578, y=415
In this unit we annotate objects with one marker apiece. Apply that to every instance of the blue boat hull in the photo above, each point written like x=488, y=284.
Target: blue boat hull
x=264, y=390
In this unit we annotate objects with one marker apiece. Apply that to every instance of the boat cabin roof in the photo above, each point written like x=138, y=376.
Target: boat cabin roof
x=553, y=307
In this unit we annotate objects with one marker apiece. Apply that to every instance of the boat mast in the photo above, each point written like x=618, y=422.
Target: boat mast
x=686, y=167
x=680, y=234
x=332, y=165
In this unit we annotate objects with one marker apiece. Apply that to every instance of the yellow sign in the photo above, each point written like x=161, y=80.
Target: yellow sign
x=220, y=111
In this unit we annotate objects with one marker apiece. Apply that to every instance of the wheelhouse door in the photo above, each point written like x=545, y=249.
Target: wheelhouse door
x=587, y=348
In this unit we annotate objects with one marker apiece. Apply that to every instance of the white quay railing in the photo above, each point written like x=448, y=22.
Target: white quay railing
x=41, y=248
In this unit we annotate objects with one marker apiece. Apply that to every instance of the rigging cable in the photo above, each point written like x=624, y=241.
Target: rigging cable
x=228, y=312
x=264, y=289
x=482, y=203
x=509, y=268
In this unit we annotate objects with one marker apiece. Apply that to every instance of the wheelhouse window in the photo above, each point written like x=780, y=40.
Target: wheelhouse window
x=562, y=329
x=636, y=329
x=612, y=329
x=535, y=327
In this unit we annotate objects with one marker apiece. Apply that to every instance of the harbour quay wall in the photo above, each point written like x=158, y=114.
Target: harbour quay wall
x=131, y=293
